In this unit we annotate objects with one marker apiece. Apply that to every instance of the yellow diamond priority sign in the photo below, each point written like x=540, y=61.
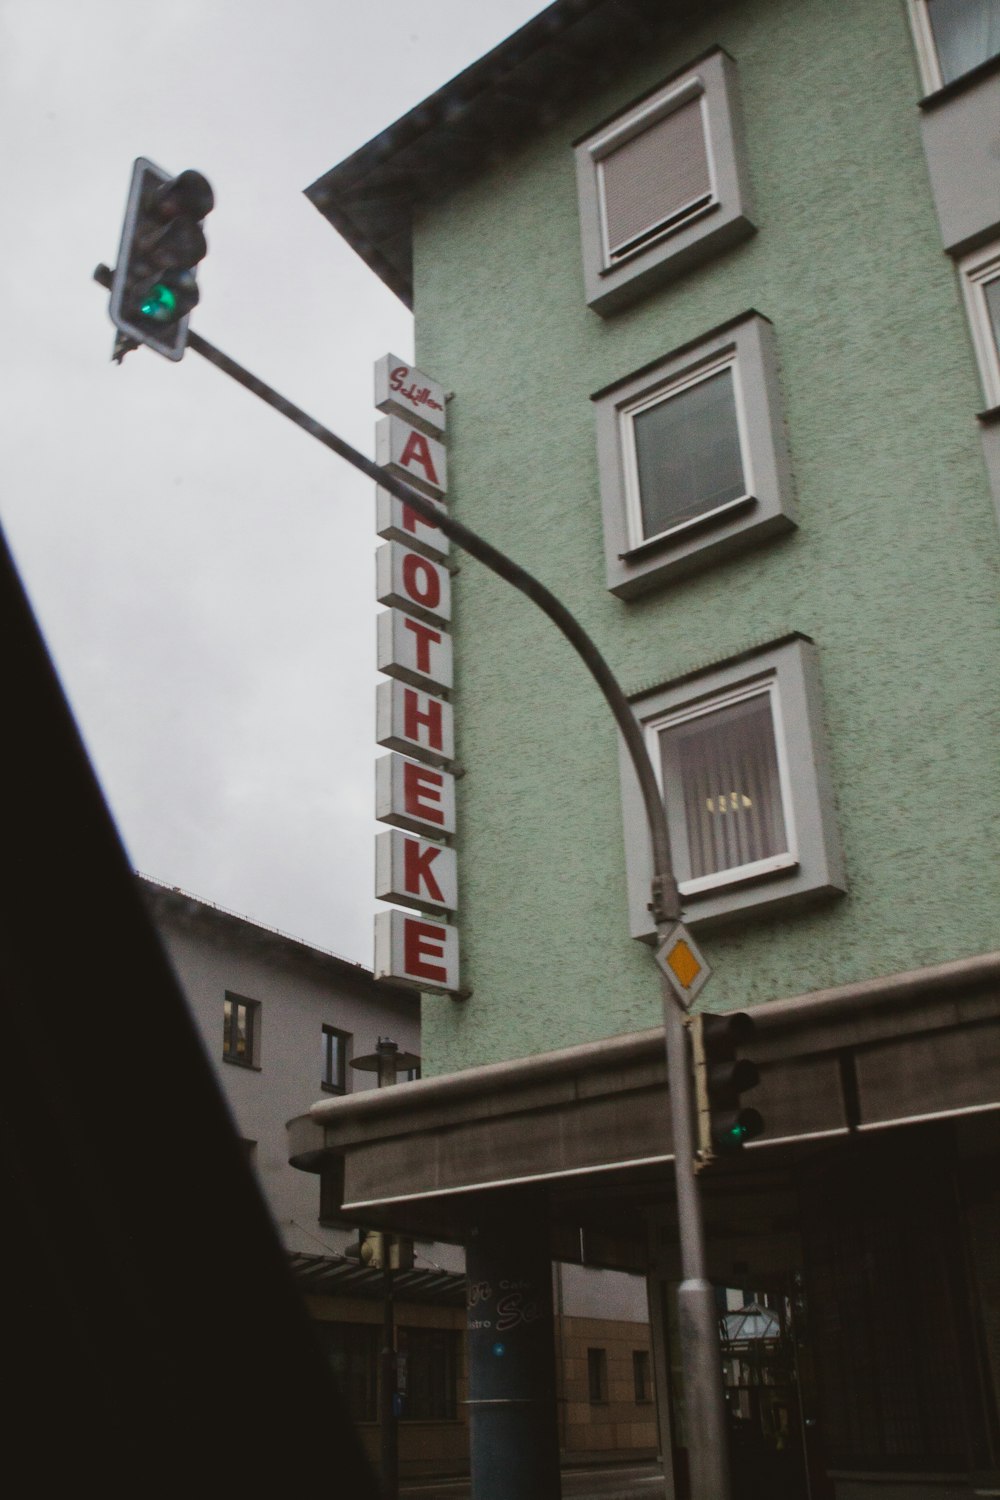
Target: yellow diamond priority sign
x=683, y=964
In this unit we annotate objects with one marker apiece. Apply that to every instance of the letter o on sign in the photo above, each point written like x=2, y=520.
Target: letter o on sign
x=421, y=580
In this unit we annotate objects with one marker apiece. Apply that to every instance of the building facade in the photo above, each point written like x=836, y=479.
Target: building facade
x=717, y=291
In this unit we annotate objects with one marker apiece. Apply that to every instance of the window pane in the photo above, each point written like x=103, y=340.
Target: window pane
x=966, y=33
x=597, y=1374
x=334, y=1058
x=724, y=765
x=687, y=450
x=991, y=291
x=656, y=175
x=428, y=1369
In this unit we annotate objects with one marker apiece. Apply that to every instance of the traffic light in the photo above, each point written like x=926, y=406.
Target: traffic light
x=721, y=1077
x=380, y=1251
x=154, y=285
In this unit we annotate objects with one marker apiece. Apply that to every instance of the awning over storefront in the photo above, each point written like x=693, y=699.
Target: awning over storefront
x=591, y=1121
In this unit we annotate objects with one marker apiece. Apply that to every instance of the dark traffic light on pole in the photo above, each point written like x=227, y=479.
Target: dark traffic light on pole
x=721, y=1077
x=154, y=285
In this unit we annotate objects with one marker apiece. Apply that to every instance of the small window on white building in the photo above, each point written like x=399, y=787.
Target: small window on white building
x=663, y=185
x=954, y=37
x=692, y=457
x=980, y=273
x=739, y=750
x=241, y=1031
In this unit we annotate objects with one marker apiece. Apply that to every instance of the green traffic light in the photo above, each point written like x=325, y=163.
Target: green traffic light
x=160, y=304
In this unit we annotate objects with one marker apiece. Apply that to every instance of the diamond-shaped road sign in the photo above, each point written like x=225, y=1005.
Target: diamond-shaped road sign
x=683, y=963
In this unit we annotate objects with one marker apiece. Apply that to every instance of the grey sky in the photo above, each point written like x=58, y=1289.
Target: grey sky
x=202, y=570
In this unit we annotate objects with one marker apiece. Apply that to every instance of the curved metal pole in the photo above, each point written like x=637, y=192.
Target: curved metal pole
x=708, y=1433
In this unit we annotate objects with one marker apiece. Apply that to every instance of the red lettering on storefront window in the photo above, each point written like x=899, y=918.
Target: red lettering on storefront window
x=423, y=941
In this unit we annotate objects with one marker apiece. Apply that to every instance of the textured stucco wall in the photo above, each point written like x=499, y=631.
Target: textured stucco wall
x=893, y=570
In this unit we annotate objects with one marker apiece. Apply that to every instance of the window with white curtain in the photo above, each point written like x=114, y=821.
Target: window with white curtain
x=740, y=752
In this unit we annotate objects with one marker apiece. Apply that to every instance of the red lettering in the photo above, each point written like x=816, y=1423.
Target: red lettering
x=421, y=580
x=421, y=790
x=417, y=451
x=411, y=520
x=426, y=638
x=414, y=719
x=423, y=941
x=417, y=868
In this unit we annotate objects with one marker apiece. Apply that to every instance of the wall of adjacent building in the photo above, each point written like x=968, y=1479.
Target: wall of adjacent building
x=892, y=570
x=298, y=990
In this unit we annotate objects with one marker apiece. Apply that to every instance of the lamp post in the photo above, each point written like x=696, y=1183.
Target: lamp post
x=386, y=1061
x=699, y=1338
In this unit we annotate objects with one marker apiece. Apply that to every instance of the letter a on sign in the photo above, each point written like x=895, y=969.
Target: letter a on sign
x=411, y=455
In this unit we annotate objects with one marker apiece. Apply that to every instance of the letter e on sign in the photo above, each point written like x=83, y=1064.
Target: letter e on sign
x=409, y=795
x=416, y=952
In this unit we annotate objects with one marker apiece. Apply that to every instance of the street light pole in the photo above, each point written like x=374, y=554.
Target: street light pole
x=708, y=1444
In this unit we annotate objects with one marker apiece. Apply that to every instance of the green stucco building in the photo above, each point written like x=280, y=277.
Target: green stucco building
x=716, y=289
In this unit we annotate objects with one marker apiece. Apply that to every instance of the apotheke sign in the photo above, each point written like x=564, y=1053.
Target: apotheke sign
x=415, y=867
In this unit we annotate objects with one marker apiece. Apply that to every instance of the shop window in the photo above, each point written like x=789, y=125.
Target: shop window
x=640, y=1377
x=692, y=458
x=980, y=274
x=740, y=757
x=597, y=1376
x=241, y=1031
x=663, y=185
x=334, y=1060
x=954, y=37
x=428, y=1373
x=353, y=1352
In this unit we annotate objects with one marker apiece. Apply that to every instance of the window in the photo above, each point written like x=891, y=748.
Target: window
x=597, y=1376
x=428, y=1373
x=739, y=752
x=980, y=274
x=692, y=457
x=662, y=186
x=640, y=1376
x=353, y=1352
x=334, y=1066
x=954, y=37
x=241, y=1031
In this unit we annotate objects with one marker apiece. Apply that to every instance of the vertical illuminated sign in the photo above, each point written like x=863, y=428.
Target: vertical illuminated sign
x=415, y=865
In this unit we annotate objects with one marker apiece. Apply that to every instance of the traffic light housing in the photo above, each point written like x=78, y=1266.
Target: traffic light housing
x=154, y=285
x=381, y=1252
x=721, y=1078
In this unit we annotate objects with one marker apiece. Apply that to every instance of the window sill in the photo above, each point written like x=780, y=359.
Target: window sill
x=990, y=417
x=333, y=1088
x=664, y=540
x=959, y=86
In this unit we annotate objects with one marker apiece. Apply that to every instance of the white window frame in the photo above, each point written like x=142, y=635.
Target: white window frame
x=927, y=53
x=766, y=687
x=710, y=224
x=635, y=125
x=977, y=271
x=811, y=867
x=635, y=562
x=655, y=397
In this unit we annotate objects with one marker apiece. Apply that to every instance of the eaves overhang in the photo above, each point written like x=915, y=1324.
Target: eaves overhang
x=521, y=86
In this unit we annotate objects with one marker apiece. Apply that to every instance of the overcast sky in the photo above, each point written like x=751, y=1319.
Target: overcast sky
x=202, y=570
